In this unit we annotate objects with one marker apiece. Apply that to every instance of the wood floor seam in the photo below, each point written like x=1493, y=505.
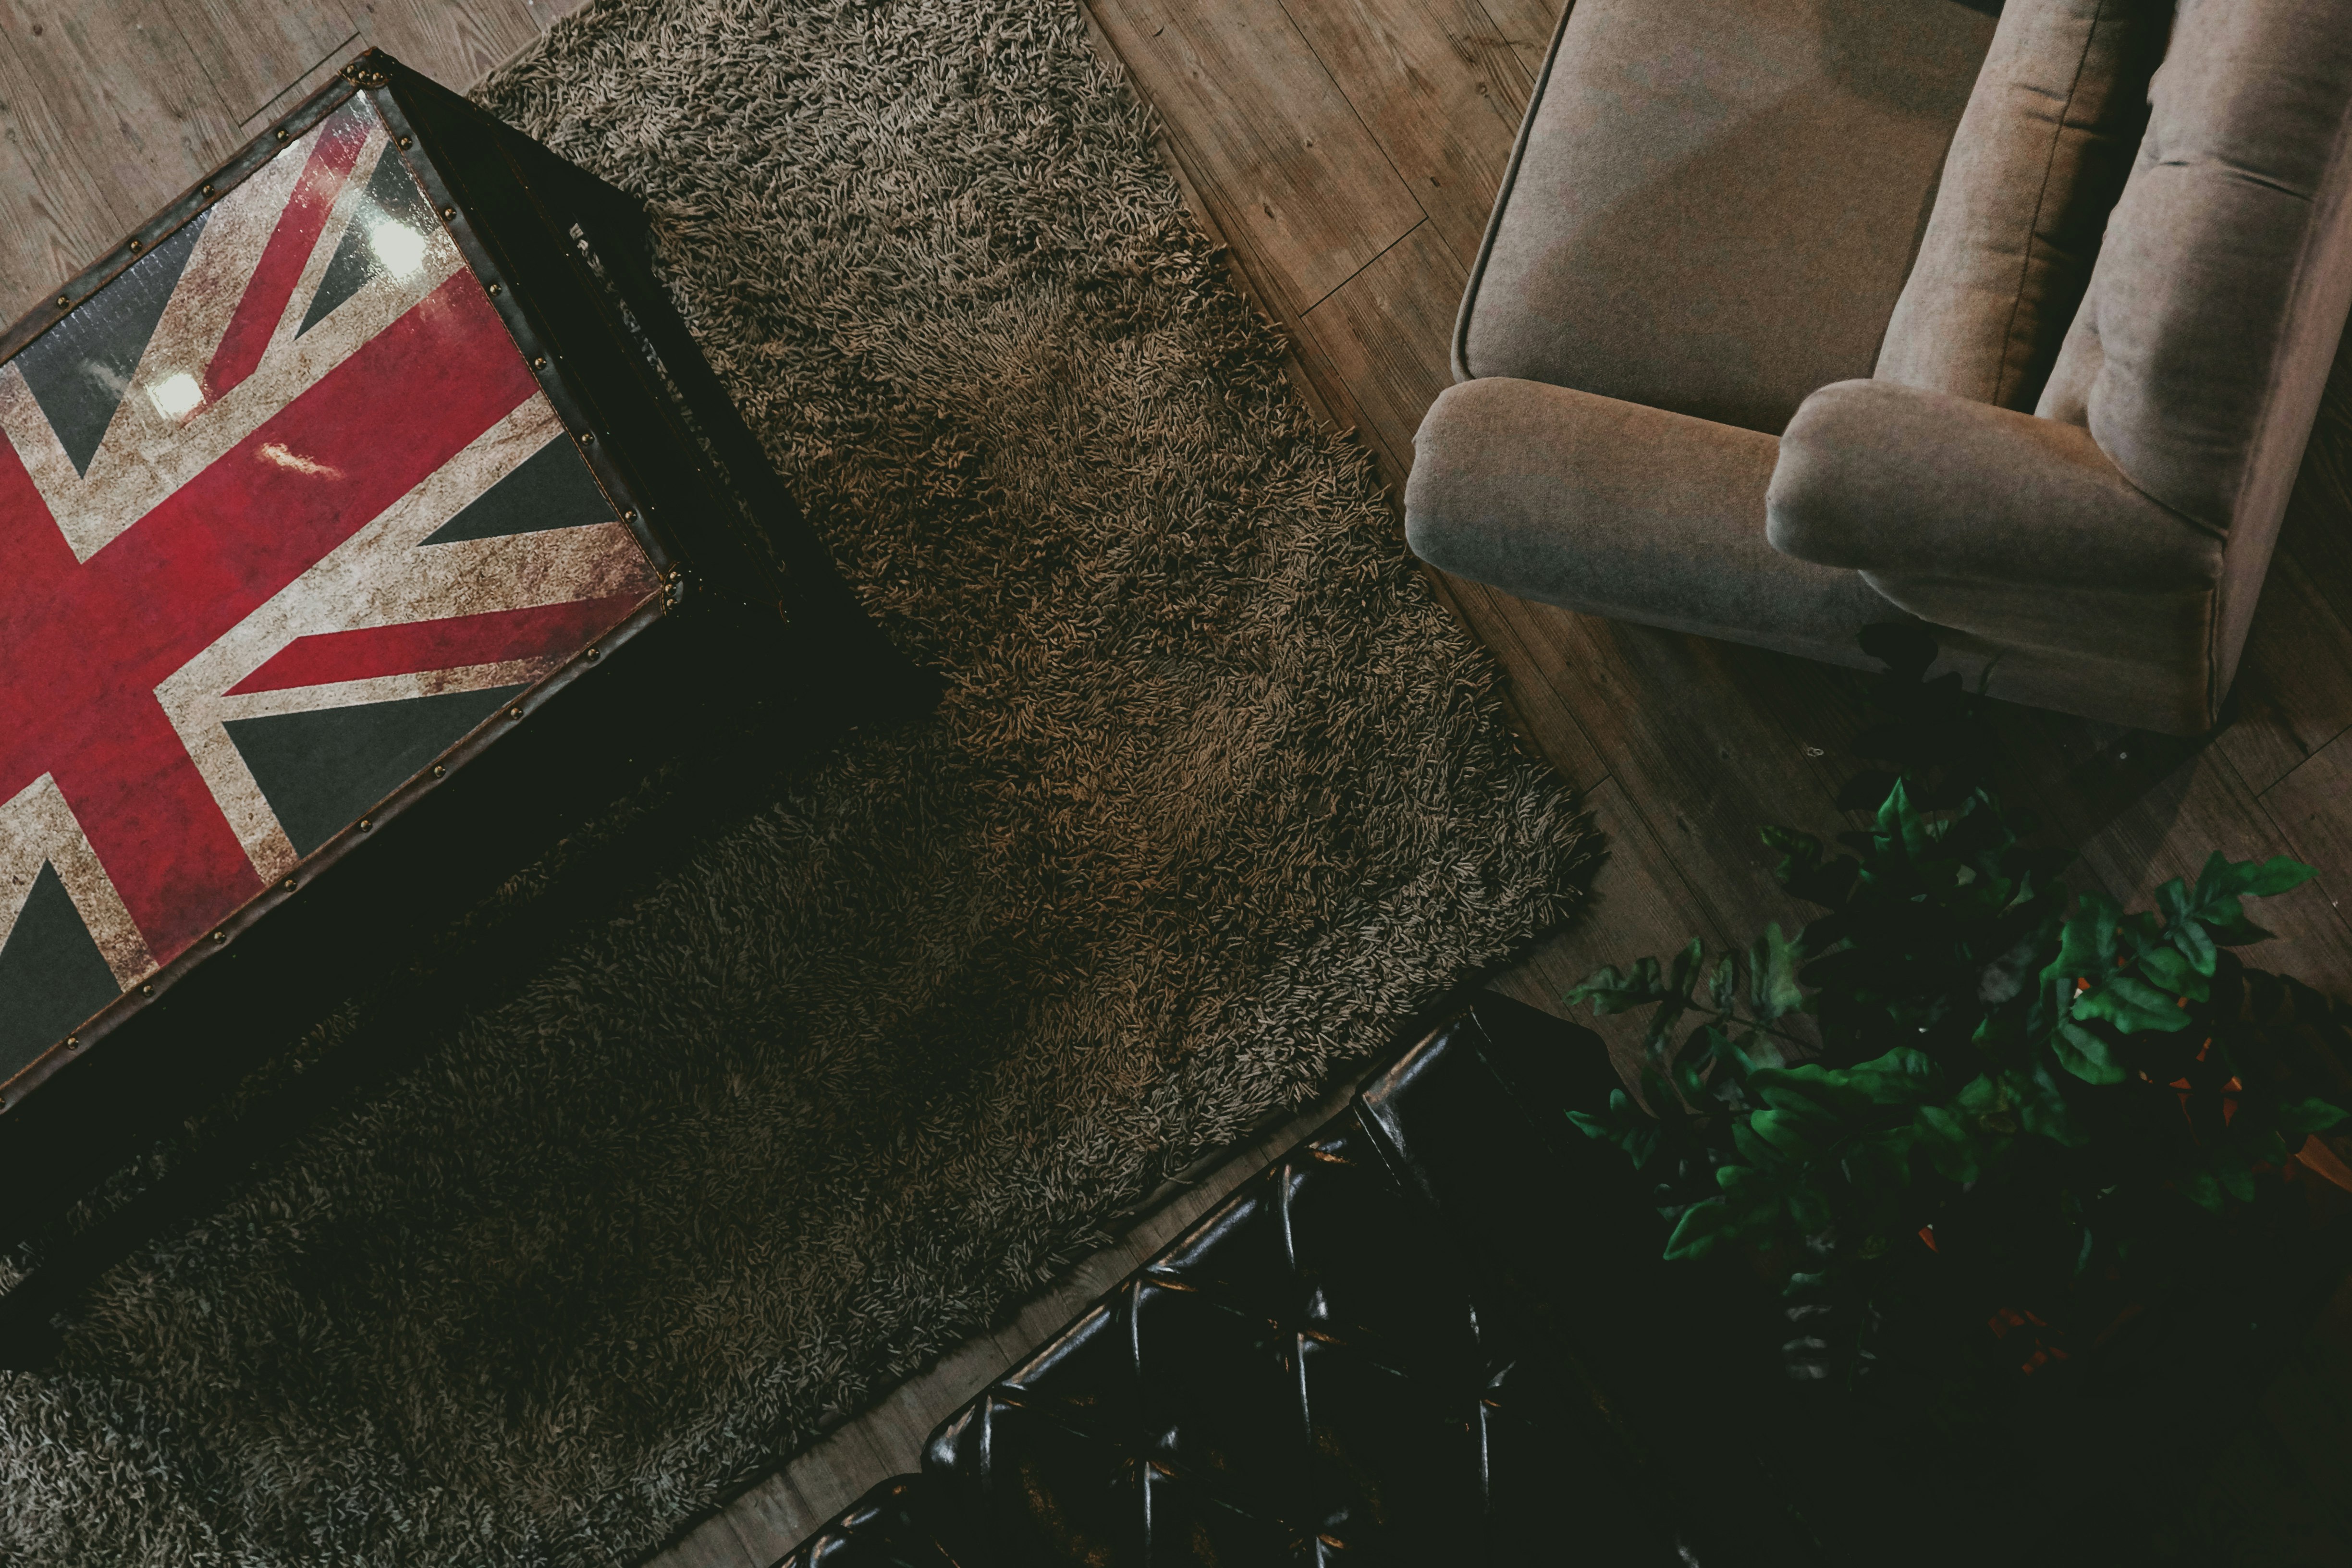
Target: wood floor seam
x=1379, y=143
x=1367, y=266
x=347, y=47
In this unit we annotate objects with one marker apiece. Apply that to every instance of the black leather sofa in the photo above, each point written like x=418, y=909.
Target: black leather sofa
x=1438, y=1333
x=1362, y=1356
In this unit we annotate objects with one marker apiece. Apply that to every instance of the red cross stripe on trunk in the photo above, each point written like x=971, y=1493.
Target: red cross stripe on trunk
x=84, y=645
x=279, y=271
x=490, y=637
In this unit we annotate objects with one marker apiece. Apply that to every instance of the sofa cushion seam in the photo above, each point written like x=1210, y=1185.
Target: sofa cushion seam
x=2041, y=200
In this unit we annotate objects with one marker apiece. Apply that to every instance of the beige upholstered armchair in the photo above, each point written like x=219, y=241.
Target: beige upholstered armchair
x=1797, y=315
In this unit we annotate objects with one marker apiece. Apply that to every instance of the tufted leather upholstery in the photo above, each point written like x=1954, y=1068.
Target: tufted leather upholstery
x=886, y=1528
x=1354, y=1359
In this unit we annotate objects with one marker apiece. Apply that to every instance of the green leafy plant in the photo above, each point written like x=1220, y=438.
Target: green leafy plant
x=1964, y=1099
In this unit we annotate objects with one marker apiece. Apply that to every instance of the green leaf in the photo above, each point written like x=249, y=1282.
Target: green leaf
x=1733, y=1067
x=1663, y=1103
x=2238, y=1180
x=2189, y=934
x=1686, y=962
x=1823, y=1092
x=1901, y=1077
x=1808, y=1209
x=2279, y=874
x=1952, y=1142
x=1698, y=1046
x=1723, y=990
x=1623, y=1124
x=2202, y=1190
x=1981, y=1095
x=1752, y=1148
x=1676, y=996
x=2042, y=1108
x=1759, y=1052
x=1801, y=853
x=2169, y=970
x=2087, y=943
x=2218, y=878
x=2174, y=900
x=2222, y=884
x=2309, y=1114
x=1785, y=1131
x=2085, y=1055
x=2250, y=878
x=1590, y=1126
x=1899, y=820
x=1940, y=1124
x=1777, y=1090
x=1888, y=1154
x=1703, y=1225
x=1772, y=965
x=2133, y=1005
x=1615, y=990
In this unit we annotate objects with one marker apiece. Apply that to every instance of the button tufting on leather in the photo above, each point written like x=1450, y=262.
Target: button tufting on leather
x=1328, y=1368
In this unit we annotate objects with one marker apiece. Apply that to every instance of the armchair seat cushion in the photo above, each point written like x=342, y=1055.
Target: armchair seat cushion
x=1714, y=203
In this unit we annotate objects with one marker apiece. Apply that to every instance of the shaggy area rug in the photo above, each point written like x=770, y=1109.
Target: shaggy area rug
x=1217, y=795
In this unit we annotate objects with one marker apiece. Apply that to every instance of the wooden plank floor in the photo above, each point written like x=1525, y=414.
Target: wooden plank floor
x=1347, y=151
x=110, y=107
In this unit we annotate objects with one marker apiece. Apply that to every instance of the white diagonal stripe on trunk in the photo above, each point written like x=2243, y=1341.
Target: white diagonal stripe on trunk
x=147, y=453
x=39, y=826
x=384, y=575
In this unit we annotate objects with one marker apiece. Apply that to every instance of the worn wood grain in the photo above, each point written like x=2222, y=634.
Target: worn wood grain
x=713, y=1543
x=1527, y=27
x=1386, y=330
x=2293, y=693
x=2313, y=807
x=308, y=82
x=454, y=42
x=2201, y=808
x=1685, y=726
x=105, y=115
x=256, y=54
x=1640, y=907
x=1310, y=370
x=1276, y=149
x=109, y=108
x=1439, y=89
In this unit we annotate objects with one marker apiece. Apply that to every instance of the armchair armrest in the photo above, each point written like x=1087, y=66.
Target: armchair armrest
x=1897, y=482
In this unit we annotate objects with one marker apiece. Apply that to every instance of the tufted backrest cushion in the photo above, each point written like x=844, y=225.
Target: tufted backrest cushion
x=2198, y=354
x=2041, y=155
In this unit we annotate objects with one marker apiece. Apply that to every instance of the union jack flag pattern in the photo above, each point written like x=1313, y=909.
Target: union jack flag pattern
x=285, y=517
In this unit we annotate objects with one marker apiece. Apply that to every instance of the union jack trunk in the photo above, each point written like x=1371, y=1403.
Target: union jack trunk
x=314, y=494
